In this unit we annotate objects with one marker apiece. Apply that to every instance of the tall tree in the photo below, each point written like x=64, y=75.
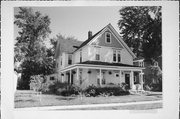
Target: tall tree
x=30, y=48
x=140, y=28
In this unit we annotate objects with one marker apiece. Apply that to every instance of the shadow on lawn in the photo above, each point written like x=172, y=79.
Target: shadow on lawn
x=66, y=98
x=30, y=100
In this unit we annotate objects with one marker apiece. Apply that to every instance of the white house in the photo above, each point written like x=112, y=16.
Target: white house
x=103, y=59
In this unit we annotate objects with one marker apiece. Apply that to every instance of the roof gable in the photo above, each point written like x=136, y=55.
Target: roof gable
x=66, y=45
x=101, y=40
x=114, y=32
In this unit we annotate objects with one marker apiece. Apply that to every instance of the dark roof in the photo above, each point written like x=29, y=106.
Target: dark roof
x=107, y=63
x=66, y=45
x=89, y=39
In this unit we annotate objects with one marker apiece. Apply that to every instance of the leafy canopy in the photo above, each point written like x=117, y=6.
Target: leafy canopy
x=140, y=28
x=30, y=49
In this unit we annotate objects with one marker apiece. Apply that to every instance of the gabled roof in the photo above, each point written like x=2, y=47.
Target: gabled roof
x=89, y=39
x=107, y=64
x=116, y=34
x=66, y=45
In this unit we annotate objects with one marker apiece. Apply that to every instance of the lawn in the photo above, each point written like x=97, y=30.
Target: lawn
x=127, y=107
x=31, y=99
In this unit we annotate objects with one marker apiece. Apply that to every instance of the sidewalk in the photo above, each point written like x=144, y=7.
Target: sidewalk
x=84, y=106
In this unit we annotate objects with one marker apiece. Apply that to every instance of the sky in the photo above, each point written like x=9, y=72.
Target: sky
x=72, y=21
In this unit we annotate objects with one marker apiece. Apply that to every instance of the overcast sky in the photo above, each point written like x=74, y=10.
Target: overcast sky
x=77, y=21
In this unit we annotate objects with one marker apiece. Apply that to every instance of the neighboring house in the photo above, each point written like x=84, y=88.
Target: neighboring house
x=149, y=69
x=103, y=59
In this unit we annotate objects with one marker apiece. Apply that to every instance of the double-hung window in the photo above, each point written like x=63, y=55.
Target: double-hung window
x=108, y=37
x=116, y=56
x=69, y=59
x=97, y=56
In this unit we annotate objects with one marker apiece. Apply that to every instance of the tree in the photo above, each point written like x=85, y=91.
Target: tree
x=140, y=28
x=30, y=48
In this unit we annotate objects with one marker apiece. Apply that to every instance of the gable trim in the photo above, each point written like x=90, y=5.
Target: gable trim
x=119, y=39
x=116, y=35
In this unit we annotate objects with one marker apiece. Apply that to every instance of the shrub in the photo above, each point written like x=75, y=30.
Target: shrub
x=124, y=86
x=147, y=88
x=70, y=90
x=157, y=87
x=56, y=87
x=36, y=82
x=105, y=91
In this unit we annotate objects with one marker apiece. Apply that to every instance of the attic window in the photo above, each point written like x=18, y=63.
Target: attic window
x=108, y=37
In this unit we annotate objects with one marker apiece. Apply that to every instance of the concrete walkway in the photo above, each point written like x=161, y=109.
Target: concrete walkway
x=85, y=106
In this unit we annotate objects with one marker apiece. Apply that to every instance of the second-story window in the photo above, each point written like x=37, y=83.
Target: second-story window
x=108, y=37
x=141, y=64
x=69, y=59
x=116, y=56
x=97, y=57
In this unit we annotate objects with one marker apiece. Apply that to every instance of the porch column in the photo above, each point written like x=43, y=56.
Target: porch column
x=119, y=76
x=77, y=73
x=100, y=77
x=64, y=77
x=70, y=76
x=132, y=80
x=141, y=79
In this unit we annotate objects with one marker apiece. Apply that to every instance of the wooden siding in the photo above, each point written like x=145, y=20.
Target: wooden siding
x=101, y=41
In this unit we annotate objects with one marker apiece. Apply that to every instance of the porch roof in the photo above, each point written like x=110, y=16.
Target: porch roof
x=106, y=63
x=102, y=65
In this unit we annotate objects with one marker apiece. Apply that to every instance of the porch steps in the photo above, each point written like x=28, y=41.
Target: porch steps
x=139, y=92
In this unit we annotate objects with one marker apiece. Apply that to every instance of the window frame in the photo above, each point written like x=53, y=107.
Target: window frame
x=117, y=53
x=97, y=53
x=108, y=33
x=70, y=59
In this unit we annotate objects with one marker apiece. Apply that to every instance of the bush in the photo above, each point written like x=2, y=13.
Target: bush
x=157, y=87
x=104, y=91
x=147, y=88
x=37, y=82
x=70, y=90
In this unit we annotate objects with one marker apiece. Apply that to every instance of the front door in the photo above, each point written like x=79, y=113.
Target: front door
x=127, y=79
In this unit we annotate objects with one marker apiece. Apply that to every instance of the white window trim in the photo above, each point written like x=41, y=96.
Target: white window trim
x=97, y=53
x=117, y=52
x=106, y=37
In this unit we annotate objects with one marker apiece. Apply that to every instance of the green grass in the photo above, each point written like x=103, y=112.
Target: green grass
x=31, y=99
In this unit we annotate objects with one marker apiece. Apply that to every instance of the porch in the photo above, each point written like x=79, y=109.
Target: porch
x=85, y=75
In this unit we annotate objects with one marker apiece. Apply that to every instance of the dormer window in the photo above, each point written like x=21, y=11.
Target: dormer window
x=108, y=37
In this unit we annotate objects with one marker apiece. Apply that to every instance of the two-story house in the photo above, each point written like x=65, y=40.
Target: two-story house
x=103, y=59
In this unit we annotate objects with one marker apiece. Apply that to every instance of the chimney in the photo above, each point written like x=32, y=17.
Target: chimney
x=89, y=34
